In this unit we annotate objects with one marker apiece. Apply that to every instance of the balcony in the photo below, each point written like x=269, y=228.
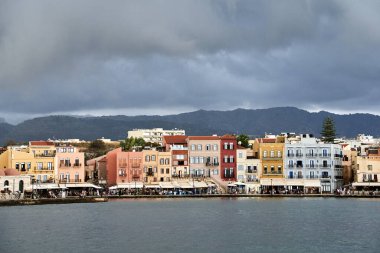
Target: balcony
x=212, y=164
x=135, y=165
x=326, y=166
x=312, y=177
x=70, y=181
x=338, y=156
x=311, y=155
x=150, y=173
x=251, y=171
x=299, y=155
x=309, y=166
x=135, y=177
x=325, y=155
x=76, y=165
x=122, y=165
x=44, y=169
x=272, y=158
x=49, y=154
x=295, y=177
x=65, y=165
x=290, y=155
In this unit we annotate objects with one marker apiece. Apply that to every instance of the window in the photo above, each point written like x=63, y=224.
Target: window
x=167, y=161
x=265, y=170
x=39, y=166
x=215, y=147
x=68, y=177
x=226, y=159
x=311, y=163
x=77, y=177
x=231, y=159
x=225, y=145
x=278, y=153
x=279, y=170
x=17, y=166
x=29, y=166
x=50, y=165
x=147, y=158
x=324, y=152
x=272, y=169
x=167, y=171
x=271, y=153
x=192, y=147
x=23, y=167
x=369, y=167
x=162, y=171
x=153, y=158
x=265, y=153
x=191, y=160
x=240, y=167
x=240, y=154
x=21, y=186
x=162, y=160
x=215, y=160
x=201, y=159
x=199, y=147
x=208, y=147
x=231, y=145
x=196, y=159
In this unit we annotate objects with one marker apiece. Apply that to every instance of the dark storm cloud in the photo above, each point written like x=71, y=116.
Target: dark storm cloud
x=70, y=56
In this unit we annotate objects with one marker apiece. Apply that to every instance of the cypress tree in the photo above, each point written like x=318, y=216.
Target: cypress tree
x=328, y=130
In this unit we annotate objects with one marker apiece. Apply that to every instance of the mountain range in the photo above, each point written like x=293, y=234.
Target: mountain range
x=240, y=121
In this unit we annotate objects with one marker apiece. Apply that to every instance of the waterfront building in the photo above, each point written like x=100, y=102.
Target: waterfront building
x=368, y=169
x=150, y=163
x=11, y=180
x=164, y=173
x=70, y=164
x=177, y=146
x=248, y=169
x=228, y=145
x=270, y=152
x=96, y=170
x=37, y=160
x=349, y=162
x=312, y=165
x=154, y=135
x=204, y=155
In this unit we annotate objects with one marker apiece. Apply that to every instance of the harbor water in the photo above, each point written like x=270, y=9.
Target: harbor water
x=195, y=225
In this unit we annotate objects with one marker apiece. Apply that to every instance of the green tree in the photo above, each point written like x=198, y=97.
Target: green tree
x=97, y=146
x=243, y=140
x=328, y=130
x=129, y=143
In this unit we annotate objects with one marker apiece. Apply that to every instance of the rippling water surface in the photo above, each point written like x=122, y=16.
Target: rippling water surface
x=195, y=225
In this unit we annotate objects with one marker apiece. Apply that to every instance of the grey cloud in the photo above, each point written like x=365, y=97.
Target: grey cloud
x=66, y=56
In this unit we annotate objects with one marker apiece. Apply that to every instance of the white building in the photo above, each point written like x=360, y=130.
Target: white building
x=315, y=165
x=248, y=169
x=154, y=135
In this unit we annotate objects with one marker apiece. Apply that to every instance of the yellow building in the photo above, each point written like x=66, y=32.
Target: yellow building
x=270, y=152
x=164, y=167
x=36, y=160
x=150, y=163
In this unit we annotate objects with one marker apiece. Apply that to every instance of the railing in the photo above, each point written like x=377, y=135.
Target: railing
x=295, y=177
x=338, y=166
x=299, y=155
x=150, y=174
x=70, y=181
x=325, y=154
x=311, y=155
x=290, y=155
x=272, y=173
x=77, y=165
x=325, y=165
x=135, y=165
x=311, y=177
x=43, y=169
x=212, y=164
x=311, y=166
x=338, y=155
x=122, y=165
x=290, y=165
x=272, y=158
x=45, y=155
x=251, y=171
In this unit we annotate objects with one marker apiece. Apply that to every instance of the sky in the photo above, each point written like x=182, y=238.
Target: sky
x=162, y=57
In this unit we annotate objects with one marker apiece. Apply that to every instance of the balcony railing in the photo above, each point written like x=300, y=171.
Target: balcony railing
x=325, y=154
x=212, y=164
x=325, y=165
x=299, y=155
x=311, y=155
x=122, y=165
x=251, y=171
x=311, y=166
x=50, y=154
x=150, y=174
x=70, y=181
x=312, y=177
x=43, y=169
x=290, y=155
x=135, y=165
x=272, y=158
x=295, y=177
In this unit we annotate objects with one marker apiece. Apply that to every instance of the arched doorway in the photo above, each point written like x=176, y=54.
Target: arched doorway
x=21, y=186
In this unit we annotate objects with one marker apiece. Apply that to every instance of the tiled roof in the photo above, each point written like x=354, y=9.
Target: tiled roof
x=203, y=137
x=174, y=139
x=41, y=143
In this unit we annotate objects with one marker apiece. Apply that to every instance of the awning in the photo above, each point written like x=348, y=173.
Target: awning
x=200, y=184
x=294, y=182
x=312, y=183
x=185, y=185
x=363, y=184
x=231, y=185
x=131, y=185
x=273, y=182
x=239, y=183
x=48, y=186
x=152, y=186
x=166, y=185
x=82, y=185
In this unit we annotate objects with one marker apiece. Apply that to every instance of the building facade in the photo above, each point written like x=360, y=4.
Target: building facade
x=154, y=135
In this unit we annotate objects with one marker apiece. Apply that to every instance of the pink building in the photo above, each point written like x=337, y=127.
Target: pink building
x=124, y=167
x=70, y=164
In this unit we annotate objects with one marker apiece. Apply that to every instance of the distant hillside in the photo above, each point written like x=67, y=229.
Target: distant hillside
x=252, y=122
